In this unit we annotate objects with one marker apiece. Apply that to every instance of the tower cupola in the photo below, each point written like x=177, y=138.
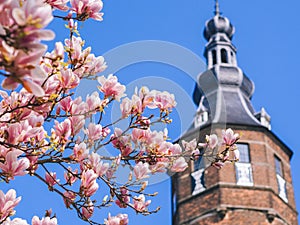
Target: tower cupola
x=218, y=24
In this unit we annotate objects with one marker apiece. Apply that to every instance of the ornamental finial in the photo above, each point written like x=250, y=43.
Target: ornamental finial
x=217, y=9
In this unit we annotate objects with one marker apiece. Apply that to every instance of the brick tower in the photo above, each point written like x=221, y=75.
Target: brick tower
x=258, y=189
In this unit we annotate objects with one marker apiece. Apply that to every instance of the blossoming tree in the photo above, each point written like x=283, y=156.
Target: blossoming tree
x=45, y=129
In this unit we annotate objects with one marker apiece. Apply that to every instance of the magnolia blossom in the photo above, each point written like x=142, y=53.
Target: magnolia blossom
x=63, y=129
x=94, y=65
x=141, y=170
x=218, y=164
x=165, y=101
x=94, y=132
x=88, y=182
x=229, y=137
x=34, y=14
x=236, y=153
x=123, y=199
x=87, y=211
x=68, y=79
x=212, y=141
x=26, y=20
x=15, y=221
x=140, y=204
x=87, y=9
x=80, y=152
x=179, y=165
x=51, y=179
x=111, y=87
x=95, y=162
x=14, y=167
x=70, y=175
x=126, y=107
x=44, y=221
x=120, y=219
x=58, y=4
x=69, y=198
x=8, y=202
x=122, y=142
x=93, y=101
x=189, y=146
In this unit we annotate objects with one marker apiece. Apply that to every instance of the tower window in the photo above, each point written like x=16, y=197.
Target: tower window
x=224, y=57
x=174, y=202
x=278, y=166
x=243, y=167
x=214, y=56
x=232, y=57
x=244, y=153
x=280, y=180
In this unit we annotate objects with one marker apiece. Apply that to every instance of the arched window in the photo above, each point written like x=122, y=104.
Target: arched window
x=232, y=57
x=224, y=58
x=214, y=56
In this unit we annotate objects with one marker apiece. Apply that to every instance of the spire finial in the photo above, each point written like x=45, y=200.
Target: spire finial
x=217, y=9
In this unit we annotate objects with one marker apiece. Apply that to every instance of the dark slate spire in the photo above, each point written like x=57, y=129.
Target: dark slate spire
x=226, y=89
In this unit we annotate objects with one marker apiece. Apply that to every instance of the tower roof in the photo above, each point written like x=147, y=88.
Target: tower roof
x=225, y=87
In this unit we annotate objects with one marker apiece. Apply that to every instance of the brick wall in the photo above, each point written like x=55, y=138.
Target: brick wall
x=225, y=202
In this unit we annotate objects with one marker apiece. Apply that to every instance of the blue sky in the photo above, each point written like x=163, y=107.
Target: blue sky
x=267, y=38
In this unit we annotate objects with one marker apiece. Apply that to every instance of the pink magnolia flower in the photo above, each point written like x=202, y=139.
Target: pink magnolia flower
x=15, y=221
x=99, y=167
x=12, y=166
x=111, y=87
x=189, y=146
x=105, y=131
x=87, y=9
x=94, y=65
x=120, y=219
x=140, y=135
x=88, y=182
x=94, y=132
x=36, y=14
x=141, y=170
x=69, y=198
x=121, y=142
x=140, y=204
x=236, y=154
x=66, y=104
x=93, y=101
x=26, y=69
x=179, y=165
x=123, y=199
x=70, y=175
x=74, y=47
x=80, y=152
x=77, y=123
x=137, y=105
x=68, y=79
x=51, y=179
x=126, y=107
x=229, y=137
x=159, y=167
x=87, y=211
x=212, y=141
x=174, y=149
x=165, y=101
x=218, y=164
x=58, y=4
x=63, y=129
x=36, y=121
x=78, y=106
x=8, y=202
x=44, y=221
